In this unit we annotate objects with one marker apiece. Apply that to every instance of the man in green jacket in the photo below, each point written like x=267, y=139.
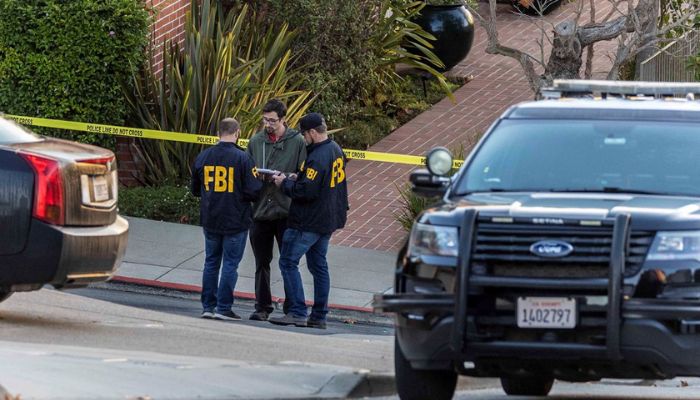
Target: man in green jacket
x=275, y=147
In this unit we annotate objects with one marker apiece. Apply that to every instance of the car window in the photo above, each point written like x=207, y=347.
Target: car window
x=585, y=155
x=12, y=133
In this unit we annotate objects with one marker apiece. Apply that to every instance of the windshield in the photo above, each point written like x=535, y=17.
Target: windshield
x=11, y=133
x=584, y=155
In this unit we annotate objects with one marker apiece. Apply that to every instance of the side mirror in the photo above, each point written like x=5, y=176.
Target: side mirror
x=427, y=184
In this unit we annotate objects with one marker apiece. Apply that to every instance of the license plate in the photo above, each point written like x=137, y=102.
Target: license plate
x=546, y=312
x=100, y=190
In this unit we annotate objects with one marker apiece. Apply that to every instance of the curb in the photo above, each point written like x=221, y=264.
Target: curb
x=240, y=295
x=374, y=385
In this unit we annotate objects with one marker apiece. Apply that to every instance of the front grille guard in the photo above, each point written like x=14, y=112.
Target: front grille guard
x=614, y=290
x=405, y=302
x=617, y=310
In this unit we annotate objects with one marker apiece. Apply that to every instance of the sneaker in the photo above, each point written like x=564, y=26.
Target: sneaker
x=289, y=320
x=316, y=323
x=208, y=314
x=259, y=316
x=227, y=316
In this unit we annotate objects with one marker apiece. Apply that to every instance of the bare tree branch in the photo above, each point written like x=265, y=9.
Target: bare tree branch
x=615, y=10
x=596, y=32
x=634, y=23
x=588, y=74
x=494, y=47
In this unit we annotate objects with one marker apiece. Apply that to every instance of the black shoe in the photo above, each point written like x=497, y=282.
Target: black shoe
x=227, y=316
x=316, y=323
x=289, y=320
x=208, y=314
x=259, y=316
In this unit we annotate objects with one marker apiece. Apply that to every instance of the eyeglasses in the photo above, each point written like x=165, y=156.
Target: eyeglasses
x=270, y=121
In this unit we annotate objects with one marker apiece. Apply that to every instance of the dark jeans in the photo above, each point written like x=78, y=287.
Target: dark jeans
x=294, y=245
x=217, y=292
x=262, y=240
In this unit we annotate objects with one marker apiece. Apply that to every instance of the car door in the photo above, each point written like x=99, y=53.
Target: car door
x=16, y=193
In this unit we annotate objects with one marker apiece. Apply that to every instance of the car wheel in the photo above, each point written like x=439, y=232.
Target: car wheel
x=4, y=294
x=417, y=384
x=527, y=386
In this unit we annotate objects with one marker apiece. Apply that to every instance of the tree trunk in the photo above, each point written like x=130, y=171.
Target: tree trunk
x=566, y=57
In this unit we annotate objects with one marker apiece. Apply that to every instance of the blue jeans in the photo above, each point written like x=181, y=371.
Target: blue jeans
x=295, y=244
x=217, y=292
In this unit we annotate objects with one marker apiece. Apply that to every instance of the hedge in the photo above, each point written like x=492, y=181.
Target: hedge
x=68, y=59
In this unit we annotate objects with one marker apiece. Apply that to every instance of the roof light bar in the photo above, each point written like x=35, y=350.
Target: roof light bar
x=600, y=88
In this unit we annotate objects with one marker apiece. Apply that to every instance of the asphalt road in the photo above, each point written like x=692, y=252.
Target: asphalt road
x=145, y=342
x=188, y=304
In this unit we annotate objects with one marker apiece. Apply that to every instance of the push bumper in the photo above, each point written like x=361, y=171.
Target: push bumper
x=645, y=336
x=433, y=330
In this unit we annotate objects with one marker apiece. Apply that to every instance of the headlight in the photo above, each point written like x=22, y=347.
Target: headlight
x=679, y=245
x=433, y=240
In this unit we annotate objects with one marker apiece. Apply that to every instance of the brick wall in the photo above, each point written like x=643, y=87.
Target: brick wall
x=169, y=24
x=126, y=162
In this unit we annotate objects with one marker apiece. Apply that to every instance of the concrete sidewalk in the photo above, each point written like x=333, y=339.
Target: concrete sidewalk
x=169, y=255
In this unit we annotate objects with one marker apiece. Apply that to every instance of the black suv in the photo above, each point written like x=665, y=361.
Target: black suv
x=566, y=247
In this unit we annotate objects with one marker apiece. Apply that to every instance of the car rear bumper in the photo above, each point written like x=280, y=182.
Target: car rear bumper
x=90, y=254
x=65, y=256
x=658, y=338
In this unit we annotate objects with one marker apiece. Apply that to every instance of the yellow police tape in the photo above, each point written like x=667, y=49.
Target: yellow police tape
x=199, y=139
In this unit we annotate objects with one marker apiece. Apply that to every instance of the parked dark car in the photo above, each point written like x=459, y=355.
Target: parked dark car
x=58, y=212
x=566, y=247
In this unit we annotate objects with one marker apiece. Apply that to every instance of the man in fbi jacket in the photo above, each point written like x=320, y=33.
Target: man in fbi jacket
x=319, y=206
x=225, y=177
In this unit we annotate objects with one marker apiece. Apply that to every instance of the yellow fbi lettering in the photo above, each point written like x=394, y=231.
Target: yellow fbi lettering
x=221, y=177
x=338, y=173
x=311, y=174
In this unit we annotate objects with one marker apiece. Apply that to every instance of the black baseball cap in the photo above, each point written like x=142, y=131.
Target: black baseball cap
x=311, y=121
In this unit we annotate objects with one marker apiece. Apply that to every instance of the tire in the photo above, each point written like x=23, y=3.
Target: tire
x=4, y=295
x=527, y=386
x=416, y=384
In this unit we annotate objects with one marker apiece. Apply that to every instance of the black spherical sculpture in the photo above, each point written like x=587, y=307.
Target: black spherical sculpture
x=453, y=26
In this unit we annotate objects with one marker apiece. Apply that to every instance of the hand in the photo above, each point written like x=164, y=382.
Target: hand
x=278, y=178
x=292, y=177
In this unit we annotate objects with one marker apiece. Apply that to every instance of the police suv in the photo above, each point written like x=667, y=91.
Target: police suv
x=566, y=247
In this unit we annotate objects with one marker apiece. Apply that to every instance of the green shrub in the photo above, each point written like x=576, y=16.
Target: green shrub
x=228, y=68
x=337, y=53
x=164, y=203
x=349, y=52
x=693, y=64
x=66, y=59
x=411, y=205
x=370, y=124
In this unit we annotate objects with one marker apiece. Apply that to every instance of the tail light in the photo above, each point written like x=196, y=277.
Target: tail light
x=102, y=160
x=48, y=189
